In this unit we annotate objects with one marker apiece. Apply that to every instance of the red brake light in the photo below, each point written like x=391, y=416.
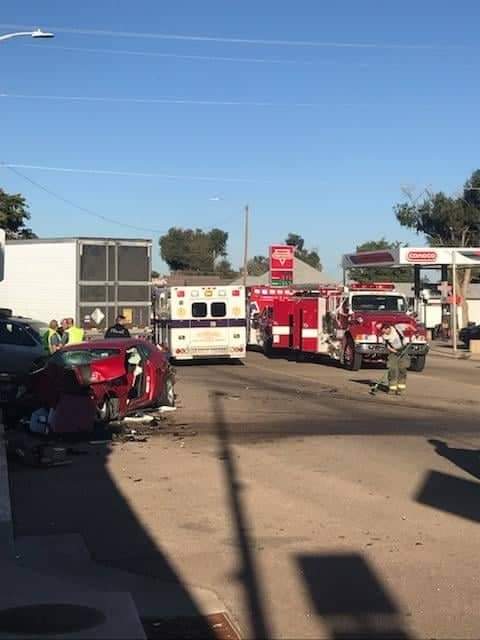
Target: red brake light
x=235, y=292
x=180, y=294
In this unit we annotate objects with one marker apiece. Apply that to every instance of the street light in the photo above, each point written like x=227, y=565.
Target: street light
x=38, y=33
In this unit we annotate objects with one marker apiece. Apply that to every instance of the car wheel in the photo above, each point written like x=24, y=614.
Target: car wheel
x=167, y=398
x=351, y=359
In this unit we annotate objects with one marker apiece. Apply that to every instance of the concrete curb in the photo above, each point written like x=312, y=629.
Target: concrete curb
x=460, y=356
x=6, y=523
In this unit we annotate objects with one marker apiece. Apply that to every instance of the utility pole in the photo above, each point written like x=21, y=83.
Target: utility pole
x=454, y=305
x=245, y=248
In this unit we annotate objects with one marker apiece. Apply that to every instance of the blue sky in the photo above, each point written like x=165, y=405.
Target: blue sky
x=316, y=131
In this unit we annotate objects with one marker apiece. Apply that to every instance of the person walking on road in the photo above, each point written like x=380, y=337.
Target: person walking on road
x=119, y=329
x=52, y=340
x=72, y=334
x=398, y=360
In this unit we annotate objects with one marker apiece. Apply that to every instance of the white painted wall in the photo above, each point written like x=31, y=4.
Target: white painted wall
x=473, y=312
x=40, y=280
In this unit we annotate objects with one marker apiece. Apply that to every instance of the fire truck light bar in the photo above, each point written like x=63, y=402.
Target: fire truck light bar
x=373, y=286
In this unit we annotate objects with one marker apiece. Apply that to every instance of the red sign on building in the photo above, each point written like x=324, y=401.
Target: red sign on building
x=281, y=264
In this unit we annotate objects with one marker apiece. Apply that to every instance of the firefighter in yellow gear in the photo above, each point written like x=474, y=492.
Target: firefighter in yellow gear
x=398, y=361
x=73, y=334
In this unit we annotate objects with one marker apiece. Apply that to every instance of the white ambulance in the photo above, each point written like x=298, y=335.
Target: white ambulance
x=207, y=322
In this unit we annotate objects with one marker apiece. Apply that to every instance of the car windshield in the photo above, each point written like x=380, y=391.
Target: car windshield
x=378, y=303
x=83, y=356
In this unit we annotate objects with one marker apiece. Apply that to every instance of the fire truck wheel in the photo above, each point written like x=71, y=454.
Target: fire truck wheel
x=351, y=359
x=418, y=363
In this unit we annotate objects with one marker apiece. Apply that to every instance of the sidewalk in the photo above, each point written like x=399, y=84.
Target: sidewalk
x=61, y=586
x=445, y=350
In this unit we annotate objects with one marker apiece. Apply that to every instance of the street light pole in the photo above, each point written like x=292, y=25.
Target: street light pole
x=38, y=33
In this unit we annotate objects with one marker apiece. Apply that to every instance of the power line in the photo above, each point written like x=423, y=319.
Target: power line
x=230, y=40
x=175, y=101
x=135, y=174
x=13, y=169
x=81, y=208
x=155, y=54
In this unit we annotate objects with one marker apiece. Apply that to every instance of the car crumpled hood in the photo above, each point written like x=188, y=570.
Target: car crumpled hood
x=18, y=360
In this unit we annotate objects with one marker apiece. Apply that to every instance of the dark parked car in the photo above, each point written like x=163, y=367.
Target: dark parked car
x=121, y=376
x=472, y=332
x=21, y=352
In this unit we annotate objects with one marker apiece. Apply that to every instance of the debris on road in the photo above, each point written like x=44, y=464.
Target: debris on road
x=141, y=418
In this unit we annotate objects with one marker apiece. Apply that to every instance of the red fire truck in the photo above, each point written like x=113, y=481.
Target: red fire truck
x=260, y=301
x=343, y=323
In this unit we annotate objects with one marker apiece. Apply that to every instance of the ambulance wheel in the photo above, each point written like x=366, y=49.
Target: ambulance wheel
x=167, y=398
x=351, y=359
x=418, y=363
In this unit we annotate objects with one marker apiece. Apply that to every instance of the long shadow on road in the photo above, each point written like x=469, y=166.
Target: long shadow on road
x=248, y=573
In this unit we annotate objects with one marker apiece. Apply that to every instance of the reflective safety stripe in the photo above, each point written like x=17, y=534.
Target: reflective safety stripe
x=393, y=387
x=402, y=386
x=281, y=331
x=309, y=333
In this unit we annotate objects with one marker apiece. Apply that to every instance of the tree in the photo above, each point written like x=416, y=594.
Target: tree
x=224, y=269
x=155, y=274
x=447, y=221
x=193, y=249
x=13, y=216
x=380, y=274
x=257, y=266
x=310, y=257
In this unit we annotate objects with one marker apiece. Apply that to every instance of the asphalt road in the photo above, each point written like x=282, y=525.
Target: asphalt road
x=312, y=509
x=279, y=398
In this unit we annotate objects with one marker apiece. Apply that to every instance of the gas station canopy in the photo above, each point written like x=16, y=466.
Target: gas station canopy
x=414, y=257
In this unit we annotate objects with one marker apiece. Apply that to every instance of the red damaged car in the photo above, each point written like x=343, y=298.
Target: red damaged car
x=122, y=376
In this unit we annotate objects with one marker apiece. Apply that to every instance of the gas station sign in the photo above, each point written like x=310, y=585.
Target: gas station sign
x=282, y=258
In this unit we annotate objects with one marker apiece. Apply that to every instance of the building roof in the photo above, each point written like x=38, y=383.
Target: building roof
x=75, y=239
x=185, y=279
x=303, y=274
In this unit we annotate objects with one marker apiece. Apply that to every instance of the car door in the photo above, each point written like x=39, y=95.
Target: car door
x=155, y=366
x=138, y=377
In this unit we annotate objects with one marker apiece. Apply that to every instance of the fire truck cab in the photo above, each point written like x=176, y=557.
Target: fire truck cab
x=343, y=323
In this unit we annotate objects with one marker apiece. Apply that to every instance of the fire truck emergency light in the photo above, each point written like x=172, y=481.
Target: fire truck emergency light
x=373, y=286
